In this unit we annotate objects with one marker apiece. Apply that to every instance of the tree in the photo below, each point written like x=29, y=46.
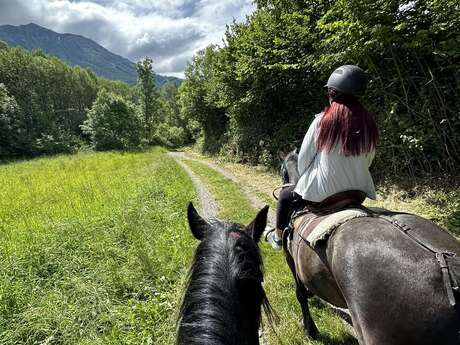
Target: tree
x=201, y=97
x=174, y=128
x=148, y=95
x=10, y=123
x=113, y=123
x=52, y=99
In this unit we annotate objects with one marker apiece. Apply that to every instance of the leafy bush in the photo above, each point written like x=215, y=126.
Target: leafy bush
x=58, y=141
x=113, y=123
x=10, y=123
x=171, y=136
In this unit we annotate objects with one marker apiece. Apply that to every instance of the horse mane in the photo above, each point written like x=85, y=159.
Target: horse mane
x=210, y=306
x=289, y=170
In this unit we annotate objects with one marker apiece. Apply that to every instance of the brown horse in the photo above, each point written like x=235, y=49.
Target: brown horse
x=396, y=273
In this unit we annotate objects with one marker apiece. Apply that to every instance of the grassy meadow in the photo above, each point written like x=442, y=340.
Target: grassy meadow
x=94, y=248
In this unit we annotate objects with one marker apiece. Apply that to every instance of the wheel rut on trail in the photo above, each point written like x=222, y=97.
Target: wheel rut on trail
x=208, y=204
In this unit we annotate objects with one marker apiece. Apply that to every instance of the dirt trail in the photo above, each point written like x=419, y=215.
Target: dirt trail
x=208, y=205
x=254, y=200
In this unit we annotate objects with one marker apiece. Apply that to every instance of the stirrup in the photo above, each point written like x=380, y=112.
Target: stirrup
x=270, y=238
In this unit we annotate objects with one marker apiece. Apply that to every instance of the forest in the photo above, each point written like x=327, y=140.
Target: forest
x=48, y=107
x=257, y=92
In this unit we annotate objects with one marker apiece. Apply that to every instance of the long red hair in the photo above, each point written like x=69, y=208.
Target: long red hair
x=347, y=122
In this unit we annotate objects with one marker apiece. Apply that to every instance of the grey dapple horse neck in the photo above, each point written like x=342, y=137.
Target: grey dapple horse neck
x=392, y=285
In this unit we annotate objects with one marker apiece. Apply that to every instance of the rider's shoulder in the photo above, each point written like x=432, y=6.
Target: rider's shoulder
x=318, y=117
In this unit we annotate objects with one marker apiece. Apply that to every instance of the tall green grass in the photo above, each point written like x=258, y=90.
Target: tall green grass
x=94, y=248
x=278, y=280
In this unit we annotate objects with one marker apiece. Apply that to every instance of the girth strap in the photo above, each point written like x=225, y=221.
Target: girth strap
x=441, y=257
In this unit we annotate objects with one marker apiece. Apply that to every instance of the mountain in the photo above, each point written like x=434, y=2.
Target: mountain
x=75, y=50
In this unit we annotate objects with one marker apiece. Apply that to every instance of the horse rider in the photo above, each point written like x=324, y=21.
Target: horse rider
x=336, y=152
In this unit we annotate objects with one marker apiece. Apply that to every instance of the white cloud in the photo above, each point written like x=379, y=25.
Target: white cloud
x=169, y=31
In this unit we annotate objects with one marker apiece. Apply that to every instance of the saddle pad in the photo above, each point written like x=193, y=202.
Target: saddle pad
x=328, y=224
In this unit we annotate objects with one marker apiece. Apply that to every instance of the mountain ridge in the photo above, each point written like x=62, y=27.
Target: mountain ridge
x=76, y=50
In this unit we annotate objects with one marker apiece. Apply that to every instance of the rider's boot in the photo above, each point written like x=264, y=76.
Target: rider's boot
x=273, y=237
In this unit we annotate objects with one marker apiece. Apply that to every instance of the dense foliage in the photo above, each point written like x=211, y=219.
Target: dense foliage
x=10, y=122
x=113, y=123
x=44, y=104
x=259, y=92
x=175, y=128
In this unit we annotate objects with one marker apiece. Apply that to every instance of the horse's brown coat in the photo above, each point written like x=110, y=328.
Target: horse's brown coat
x=392, y=285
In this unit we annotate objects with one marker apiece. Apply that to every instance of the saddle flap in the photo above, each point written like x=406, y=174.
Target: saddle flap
x=454, y=269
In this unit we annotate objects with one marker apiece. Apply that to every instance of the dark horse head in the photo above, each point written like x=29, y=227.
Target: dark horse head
x=289, y=171
x=224, y=296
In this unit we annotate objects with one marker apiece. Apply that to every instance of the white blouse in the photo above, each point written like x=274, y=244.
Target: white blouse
x=323, y=174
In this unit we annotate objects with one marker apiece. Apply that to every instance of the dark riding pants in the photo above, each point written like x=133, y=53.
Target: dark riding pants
x=285, y=206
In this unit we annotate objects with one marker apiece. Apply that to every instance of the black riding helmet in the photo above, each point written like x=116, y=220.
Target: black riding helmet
x=348, y=79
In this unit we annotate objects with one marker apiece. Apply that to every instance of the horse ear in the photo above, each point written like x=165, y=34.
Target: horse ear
x=257, y=226
x=198, y=225
x=281, y=155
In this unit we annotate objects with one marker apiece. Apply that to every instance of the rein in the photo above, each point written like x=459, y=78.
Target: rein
x=281, y=187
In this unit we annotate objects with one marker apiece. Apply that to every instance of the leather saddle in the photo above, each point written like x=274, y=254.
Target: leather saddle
x=336, y=202
x=308, y=215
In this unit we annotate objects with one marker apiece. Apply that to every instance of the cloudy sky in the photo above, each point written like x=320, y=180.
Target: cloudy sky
x=169, y=31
